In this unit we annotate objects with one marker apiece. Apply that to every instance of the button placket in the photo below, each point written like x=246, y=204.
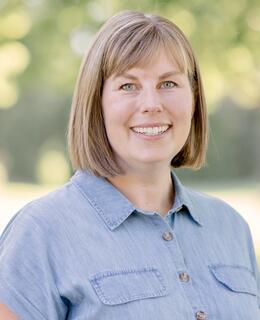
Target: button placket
x=179, y=265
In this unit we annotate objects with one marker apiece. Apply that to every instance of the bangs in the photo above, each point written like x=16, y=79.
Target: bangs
x=140, y=47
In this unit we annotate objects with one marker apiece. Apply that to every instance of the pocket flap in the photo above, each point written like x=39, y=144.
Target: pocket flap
x=235, y=277
x=121, y=286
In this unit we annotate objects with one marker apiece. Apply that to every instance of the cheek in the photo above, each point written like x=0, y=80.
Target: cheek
x=116, y=116
x=116, y=111
x=180, y=106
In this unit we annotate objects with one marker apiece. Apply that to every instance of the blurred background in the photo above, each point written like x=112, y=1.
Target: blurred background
x=41, y=47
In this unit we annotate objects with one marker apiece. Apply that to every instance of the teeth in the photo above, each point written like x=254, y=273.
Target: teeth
x=151, y=130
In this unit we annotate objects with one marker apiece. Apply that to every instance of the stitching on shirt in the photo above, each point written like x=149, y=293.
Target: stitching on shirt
x=126, y=271
x=233, y=286
x=95, y=280
x=233, y=266
x=94, y=205
x=128, y=298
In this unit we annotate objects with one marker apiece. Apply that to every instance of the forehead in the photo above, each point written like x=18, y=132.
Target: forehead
x=161, y=63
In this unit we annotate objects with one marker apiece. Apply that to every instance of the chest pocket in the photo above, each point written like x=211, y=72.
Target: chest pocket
x=121, y=286
x=236, y=278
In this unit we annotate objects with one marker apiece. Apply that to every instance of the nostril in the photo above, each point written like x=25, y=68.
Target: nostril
x=152, y=108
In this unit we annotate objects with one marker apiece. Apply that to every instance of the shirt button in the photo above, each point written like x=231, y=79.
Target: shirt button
x=184, y=277
x=200, y=315
x=167, y=235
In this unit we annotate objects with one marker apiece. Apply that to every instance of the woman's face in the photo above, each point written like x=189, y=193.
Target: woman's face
x=147, y=113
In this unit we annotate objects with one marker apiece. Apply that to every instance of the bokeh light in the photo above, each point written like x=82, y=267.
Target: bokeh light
x=52, y=168
x=3, y=174
x=14, y=59
x=253, y=18
x=15, y=25
x=79, y=40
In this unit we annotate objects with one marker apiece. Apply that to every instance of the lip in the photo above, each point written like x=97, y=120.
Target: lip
x=151, y=137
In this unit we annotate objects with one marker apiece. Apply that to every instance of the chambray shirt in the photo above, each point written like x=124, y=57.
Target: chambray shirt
x=84, y=252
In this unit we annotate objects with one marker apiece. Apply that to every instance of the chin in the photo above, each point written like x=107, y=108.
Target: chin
x=154, y=161
x=155, y=156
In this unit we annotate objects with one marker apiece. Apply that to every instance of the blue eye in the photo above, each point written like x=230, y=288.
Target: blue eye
x=168, y=84
x=128, y=87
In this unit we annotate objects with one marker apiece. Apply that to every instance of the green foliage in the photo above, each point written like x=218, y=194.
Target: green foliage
x=41, y=45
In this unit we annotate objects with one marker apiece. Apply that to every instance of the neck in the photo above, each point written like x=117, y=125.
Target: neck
x=149, y=192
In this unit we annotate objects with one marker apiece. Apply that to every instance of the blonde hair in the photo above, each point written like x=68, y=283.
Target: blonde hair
x=125, y=40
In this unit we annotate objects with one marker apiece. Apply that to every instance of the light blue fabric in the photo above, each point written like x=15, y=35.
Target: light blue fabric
x=84, y=252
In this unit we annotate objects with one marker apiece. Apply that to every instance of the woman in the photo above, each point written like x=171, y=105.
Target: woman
x=124, y=239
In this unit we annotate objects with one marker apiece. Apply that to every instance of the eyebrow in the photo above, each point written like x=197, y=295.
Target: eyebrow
x=162, y=76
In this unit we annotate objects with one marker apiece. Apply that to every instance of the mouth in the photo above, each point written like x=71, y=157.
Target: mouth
x=155, y=130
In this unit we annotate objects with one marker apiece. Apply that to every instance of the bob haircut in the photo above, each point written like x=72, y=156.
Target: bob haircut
x=128, y=39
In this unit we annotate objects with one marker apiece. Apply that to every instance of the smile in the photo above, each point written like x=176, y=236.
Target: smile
x=151, y=131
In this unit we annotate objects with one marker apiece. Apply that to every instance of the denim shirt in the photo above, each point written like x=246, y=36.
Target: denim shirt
x=84, y=252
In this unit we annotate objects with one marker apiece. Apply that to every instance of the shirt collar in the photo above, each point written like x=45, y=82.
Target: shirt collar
x=113, y=207
x=188, y=198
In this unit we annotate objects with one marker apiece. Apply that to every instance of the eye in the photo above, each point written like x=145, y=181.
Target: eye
x=168, y=84
x=128, y=87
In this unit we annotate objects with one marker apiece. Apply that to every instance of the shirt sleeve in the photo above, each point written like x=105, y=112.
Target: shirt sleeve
x=255, y=267
x=27, y=273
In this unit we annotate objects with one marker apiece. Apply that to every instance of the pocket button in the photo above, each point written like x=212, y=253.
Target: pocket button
x=200, y=315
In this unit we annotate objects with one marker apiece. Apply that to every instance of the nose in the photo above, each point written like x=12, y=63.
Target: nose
x=151, y=101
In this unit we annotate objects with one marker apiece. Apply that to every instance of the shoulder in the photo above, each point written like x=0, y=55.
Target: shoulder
x=214, y=210
x=50, y=212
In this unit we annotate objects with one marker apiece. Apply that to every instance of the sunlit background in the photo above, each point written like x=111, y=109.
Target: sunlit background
x=41, y=46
